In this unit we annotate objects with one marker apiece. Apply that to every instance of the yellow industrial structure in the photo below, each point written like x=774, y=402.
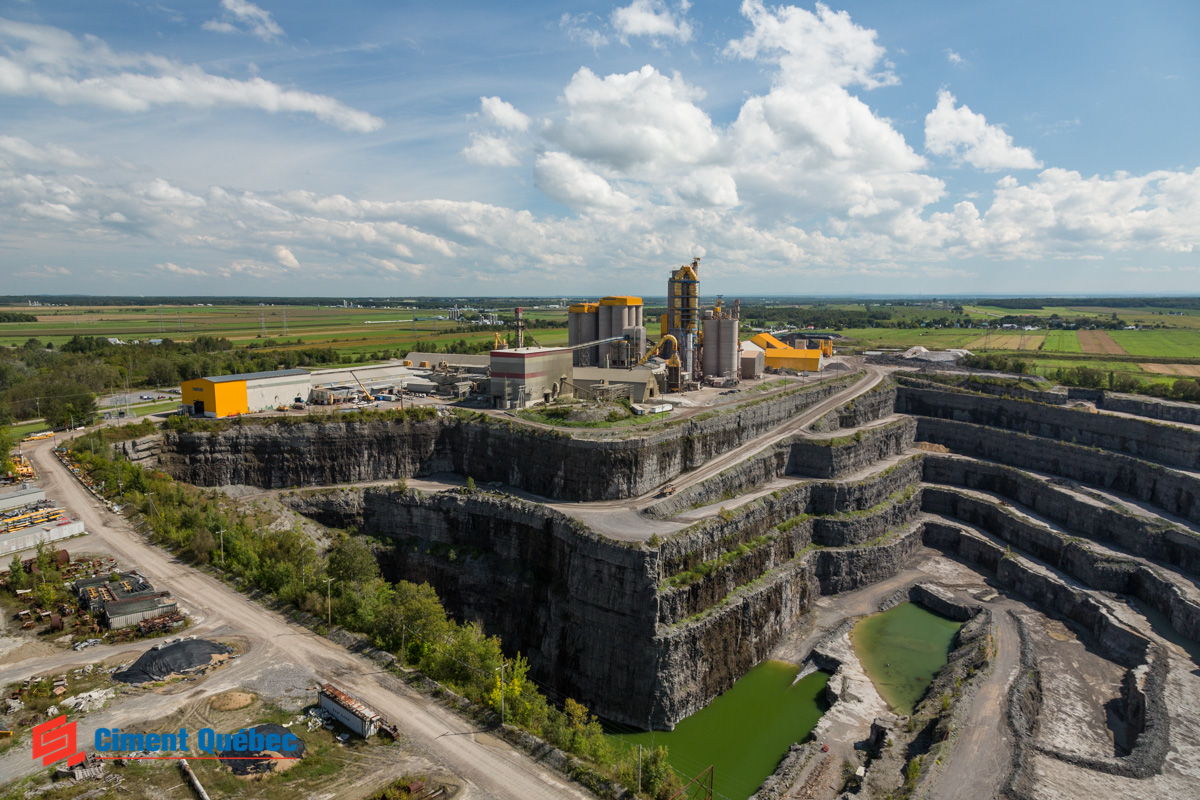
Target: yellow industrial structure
x=778, y=355
x=230, y=395
x=682, y=319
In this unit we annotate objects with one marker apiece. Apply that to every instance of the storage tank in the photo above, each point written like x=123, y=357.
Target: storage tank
x=617, y=313
x=712, y=345
x=727, y=353
x=583, y=325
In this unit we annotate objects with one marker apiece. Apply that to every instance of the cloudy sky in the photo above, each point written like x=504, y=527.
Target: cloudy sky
x=414, y=148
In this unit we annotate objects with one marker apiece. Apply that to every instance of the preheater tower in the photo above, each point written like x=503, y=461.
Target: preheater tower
x=683, y=314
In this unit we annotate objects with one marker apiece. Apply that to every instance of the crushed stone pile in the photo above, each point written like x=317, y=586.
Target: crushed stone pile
x=89, y=701
x=245, y=762
x=174, y=658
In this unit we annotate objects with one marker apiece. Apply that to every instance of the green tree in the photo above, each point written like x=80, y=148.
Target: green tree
x=351, y=560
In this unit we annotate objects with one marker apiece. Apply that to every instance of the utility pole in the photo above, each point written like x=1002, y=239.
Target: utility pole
x=639, y=783
x=501, y=668
x=328, y=602
x=403, y=637
x=221, y=533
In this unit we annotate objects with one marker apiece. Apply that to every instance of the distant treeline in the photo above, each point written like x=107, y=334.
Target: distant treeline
x=1035, y=303
x=368, y=302
x=13, y=316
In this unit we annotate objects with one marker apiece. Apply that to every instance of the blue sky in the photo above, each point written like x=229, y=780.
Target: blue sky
x=576, y=148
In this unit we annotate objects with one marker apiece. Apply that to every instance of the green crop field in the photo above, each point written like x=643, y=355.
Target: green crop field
x=1178, y=343
x=904, y=338
x=350, y=331
x=1061, y=342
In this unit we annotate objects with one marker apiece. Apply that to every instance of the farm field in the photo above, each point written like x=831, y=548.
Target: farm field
x=350, y=331
x=1100, y=342
x=1176, y=370
x=1181, y=343
x=1061, y=342
x=1008, y=341
x=932, y=338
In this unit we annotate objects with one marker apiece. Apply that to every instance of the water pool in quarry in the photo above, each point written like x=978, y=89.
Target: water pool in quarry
x=901, y=650
x=744, y=732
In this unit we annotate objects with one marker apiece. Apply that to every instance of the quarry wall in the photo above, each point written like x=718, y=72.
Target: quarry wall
x=552, y=463
x=1152, y=441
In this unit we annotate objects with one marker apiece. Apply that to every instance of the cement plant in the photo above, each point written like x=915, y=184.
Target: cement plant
x=711, y=558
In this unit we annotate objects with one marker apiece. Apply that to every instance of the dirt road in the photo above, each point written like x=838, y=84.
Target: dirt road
x=489, y=768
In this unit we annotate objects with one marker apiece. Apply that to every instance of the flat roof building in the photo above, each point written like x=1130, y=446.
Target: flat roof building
x=529, y=375
x=230, y=395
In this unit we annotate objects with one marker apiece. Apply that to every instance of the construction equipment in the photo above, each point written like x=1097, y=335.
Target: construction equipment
x=368, y=395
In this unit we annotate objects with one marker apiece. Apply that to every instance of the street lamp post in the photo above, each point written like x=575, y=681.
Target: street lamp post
x=501, y=669
x=221, y=533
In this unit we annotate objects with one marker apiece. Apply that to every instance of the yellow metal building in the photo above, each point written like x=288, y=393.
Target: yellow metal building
x=780, y=356
x=230, y=395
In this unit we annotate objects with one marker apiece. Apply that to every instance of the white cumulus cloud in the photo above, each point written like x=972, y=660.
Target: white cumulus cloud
x=571, y=182
x=491, y=151
x=41, y=61
x=653, y=19
x=284, y=256
x=504, y=114
x=959, y=132
x=254, y=20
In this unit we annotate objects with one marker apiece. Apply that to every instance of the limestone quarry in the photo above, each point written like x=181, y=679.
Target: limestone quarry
x=1062, y=530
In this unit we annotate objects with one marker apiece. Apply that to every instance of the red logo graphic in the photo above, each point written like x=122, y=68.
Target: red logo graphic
x=54, y=740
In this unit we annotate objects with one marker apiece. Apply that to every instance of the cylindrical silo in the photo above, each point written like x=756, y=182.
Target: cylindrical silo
x=709, y=361
x=727, y=354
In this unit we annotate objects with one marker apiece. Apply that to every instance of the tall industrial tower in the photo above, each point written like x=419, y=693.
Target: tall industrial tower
x=683, y=315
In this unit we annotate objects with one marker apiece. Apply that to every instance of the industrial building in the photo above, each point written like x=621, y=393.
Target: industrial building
x=230, y=395
x=20, y=496
x=29, y=537
x=123, y=602
x=778, y=355
x=613, y=318
x=682, y=320
x=529, y=375
x=640, y=384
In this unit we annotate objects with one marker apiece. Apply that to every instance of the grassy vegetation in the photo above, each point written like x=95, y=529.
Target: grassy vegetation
x=402, y=618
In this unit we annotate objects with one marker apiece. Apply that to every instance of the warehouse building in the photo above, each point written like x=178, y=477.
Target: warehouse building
x=123, y=602
x=639, y=384
x=27, y=538
x=527, y=376
x=230, y=395
x=21, y=496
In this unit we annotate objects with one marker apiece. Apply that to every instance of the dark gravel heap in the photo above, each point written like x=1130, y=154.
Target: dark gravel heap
x=184, y=656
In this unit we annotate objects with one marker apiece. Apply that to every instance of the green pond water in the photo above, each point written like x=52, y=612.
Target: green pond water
x=902, y=650
x=746, y=731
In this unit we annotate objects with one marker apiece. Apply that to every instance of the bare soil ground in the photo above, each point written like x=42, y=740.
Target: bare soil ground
x=1100, y=342
x=1008, y=341
x=1182, y=370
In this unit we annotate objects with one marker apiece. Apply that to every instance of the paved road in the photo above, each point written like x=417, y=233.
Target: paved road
x=489, y=768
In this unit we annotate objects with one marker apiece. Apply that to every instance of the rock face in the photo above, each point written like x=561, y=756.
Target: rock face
x=833, y=458
x=1175, y=492
x=547, y=462
x=866, y=408
x=143, y=451
x=1150, y=537
x=1151, y=441
x=644, y=636
x=1151, y=407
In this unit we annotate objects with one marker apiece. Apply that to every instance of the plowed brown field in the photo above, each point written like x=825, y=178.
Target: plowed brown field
x=1100, y=342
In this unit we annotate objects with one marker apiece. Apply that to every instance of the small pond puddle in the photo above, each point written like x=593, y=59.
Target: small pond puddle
x=902, y=650
x=744, y=732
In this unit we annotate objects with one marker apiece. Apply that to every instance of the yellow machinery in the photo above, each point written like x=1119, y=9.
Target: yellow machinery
x=39, y=517
x=673, y=363
x=370, y=397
